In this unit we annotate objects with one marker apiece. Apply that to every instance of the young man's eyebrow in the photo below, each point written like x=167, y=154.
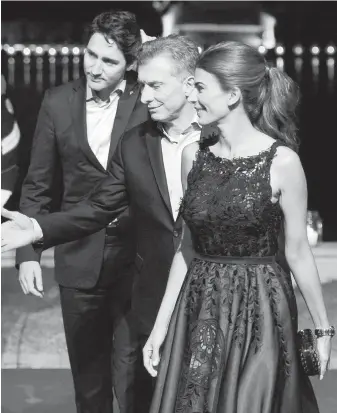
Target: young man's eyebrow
x=105, y=59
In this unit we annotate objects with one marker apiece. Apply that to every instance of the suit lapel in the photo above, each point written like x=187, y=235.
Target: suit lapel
x=156, y=158
x=78, y=112
x=125, y=107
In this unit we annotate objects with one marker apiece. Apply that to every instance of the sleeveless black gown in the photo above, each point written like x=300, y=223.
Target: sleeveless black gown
x=230, y=346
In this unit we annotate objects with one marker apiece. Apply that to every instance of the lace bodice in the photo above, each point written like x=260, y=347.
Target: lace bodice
x=228, y=206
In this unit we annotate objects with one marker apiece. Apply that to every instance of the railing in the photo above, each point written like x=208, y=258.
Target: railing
x=49, y=65
x=41, y=66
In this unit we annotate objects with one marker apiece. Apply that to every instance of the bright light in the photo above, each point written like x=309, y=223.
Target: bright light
x=19, y=47
x=280, y=50
x=330, y=50
x=315, y=61
x=10, y=50
x=26, y=51
x=39, y=50
x=330, y=62
x=298, y=50
x=76, y=51
x=262, y=49
x=65, y=50
x=52, y=51
x=315, y=50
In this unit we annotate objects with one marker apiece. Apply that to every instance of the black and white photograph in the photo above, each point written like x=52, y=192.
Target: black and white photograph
x=169, y=221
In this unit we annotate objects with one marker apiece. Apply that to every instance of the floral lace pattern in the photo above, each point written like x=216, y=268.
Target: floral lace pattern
x=238, y=218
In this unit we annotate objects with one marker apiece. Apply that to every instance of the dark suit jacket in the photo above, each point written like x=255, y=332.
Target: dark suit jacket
x=60, y=146
x=138, y=180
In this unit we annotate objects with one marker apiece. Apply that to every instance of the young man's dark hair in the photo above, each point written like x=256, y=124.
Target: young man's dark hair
x=120, y=27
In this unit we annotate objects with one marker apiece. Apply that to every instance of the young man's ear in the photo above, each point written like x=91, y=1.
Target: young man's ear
x=132, y=66
x=188, y=85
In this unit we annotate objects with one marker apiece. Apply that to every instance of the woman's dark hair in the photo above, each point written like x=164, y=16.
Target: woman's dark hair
x=269, y=96
x=122, y=28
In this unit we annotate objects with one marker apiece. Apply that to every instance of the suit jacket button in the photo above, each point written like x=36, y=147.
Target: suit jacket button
x=175, y=233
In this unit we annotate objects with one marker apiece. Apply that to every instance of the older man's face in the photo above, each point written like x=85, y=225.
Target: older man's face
x=163, y=91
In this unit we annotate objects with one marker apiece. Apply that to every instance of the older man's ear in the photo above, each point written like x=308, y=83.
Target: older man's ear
x=188, y=85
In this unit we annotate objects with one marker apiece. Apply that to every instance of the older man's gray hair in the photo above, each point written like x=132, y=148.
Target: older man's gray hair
x=182, y=50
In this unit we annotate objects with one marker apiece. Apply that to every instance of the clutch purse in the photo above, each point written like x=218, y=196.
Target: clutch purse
x=307, y=346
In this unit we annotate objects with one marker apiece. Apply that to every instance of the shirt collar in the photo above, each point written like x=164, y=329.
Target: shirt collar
x=194, y=126
x=91, y=96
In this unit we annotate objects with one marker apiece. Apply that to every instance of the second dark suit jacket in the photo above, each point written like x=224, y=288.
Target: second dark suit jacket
x=138, y=180
x=61, y=147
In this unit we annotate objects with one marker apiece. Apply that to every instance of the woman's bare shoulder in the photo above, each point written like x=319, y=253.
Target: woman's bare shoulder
x=288, y=168
x=286, y=158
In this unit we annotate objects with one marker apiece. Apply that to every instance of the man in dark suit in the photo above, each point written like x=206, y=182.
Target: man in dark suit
x=78, y=130
x=145, y=175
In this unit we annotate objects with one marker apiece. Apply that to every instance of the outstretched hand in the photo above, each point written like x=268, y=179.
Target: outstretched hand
x=17, y=232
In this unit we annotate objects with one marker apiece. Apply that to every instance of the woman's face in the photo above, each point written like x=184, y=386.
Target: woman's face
x=209, y=99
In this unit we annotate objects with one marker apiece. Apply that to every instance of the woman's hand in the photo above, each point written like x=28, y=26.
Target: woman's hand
x=324, y=352
x=151, y=356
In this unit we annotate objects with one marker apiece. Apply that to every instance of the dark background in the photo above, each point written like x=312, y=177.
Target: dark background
x=306, y=23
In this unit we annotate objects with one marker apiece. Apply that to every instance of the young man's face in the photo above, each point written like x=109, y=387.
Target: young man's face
x=104, y=63
x=163, y=91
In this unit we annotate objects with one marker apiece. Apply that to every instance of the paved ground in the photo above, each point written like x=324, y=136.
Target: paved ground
x=35, y=374
x=50, y=391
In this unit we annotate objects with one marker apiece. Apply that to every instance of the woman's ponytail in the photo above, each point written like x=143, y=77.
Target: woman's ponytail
x=277, y=103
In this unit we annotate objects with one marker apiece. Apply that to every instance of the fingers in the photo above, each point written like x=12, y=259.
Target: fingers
x=324, y=350
x=24, y=287
x=10, y=242
x=155, y=356
x=6, y=213
x=31, y=280
x=32, y=289
x=324, y=368
x=38, y=280
x=147, y=359
x=12, y=238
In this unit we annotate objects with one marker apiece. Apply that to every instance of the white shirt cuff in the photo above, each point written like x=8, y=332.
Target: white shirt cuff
x=38, y=234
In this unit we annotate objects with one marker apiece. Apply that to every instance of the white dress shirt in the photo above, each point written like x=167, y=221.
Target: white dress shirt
x=172, y=149
x=100, y=117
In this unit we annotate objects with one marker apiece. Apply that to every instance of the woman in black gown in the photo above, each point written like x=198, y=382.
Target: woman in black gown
x=230, y=324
